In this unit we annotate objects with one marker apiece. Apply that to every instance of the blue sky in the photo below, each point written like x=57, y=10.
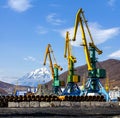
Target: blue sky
x=27, y=26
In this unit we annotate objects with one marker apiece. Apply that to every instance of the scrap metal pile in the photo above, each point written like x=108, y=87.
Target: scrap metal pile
x=5, y=99
x=118, y=98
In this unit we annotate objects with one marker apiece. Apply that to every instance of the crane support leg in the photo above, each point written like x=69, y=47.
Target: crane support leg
x=71, y=89
x=94, y=87
x=57, y=90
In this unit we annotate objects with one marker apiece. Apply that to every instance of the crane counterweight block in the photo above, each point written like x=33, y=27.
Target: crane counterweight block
x=73, y=78
x=97, y=73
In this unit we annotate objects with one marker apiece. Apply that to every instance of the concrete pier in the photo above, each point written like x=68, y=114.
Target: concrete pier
x=44, y=104
x=13, y=104
x=23, y=104
x=35, y=104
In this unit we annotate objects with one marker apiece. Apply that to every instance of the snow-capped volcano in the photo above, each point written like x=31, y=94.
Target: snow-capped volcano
x=38, y=76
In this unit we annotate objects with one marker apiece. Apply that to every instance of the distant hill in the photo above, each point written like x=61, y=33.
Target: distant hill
x=6, y=88
x=112, y=67
x=41, y=75
x=3, y=92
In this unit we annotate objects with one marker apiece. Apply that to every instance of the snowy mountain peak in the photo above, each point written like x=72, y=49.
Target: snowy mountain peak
x=38, y=76
x=38, y=72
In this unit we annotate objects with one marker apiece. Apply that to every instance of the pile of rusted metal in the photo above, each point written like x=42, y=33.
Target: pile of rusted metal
x=5, y=99
x=118, y=98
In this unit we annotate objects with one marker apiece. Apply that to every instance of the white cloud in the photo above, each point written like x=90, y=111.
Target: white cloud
x=52, y=18
x=41, y=30
x=99, y=34
x=19, y=5
x=111, y=3
x=115, y=54
x=30, y=58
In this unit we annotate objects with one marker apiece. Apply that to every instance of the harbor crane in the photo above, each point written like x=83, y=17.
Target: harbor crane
x=72, y=88
x=56, y=85
x=93, y=84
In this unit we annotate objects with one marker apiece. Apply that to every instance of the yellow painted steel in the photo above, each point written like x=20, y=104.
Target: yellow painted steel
x=80, y=18
x=83, y=81
x=15, y=89
x=68, y=50
x=61, y=98
x=75, y=78
x=92, y=42
x=47, y=53
x=107, y=84
x=77, y=21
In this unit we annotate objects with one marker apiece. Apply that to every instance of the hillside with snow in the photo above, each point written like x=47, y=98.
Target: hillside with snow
x=38, y=76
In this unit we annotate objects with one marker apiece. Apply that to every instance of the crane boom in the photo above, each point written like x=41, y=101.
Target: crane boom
x=47, y=53
x=67, y=51
x=77, y=21
x=92, y=42
x=79, y=18
x=54, y=70
x=67, y=46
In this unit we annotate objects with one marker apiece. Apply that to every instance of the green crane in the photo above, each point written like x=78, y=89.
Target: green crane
x=93, y=84
x=56, y=85
x=71, y=89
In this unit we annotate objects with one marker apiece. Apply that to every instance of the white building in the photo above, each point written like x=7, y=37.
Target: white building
x=115, y=93
x=18, y=93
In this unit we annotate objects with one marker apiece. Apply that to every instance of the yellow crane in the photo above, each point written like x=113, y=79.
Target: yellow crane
x=107, y=84
x=72, y=79
x=54, y=70
x=83, y=81
x=68, y=51
x=80, y=18
x=88, y=50
x=93, y=84
x=15, y=89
